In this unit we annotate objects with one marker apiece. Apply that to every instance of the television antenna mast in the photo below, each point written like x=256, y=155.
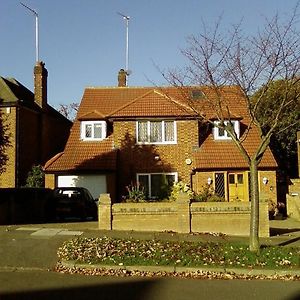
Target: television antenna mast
x=36, y=30
x=126, y=18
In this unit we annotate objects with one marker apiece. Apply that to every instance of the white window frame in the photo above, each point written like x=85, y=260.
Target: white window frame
x=93, y=123
x=236, y=126
x=175, y=174
x=163, y=142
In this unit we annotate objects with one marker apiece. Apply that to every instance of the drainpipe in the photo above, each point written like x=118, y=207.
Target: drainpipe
x=191, y=178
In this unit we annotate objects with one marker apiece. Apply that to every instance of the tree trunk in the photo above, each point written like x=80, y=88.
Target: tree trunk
x=254, y=217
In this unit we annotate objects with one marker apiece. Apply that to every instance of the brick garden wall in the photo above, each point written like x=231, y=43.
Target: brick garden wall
x=181, y=216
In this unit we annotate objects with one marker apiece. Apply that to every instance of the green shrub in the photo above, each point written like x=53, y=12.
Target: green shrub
x=180, y=187
x=36, y=177
x=207, y=195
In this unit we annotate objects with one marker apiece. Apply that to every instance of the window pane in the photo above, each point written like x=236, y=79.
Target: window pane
x=88, y=130
x=142, y=131
x=144, y=181
x=170, y=179
x=97, y=131
x=155, y=185
x=155, y=132
x=161, y=185
x=231, y=178
x=240, y=178
x=169, y=131
x=221, y=132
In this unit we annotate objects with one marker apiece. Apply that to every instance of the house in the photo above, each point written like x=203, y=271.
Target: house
x=152, y=135
x=36, y=130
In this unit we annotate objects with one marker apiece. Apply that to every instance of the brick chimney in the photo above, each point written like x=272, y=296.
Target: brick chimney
x=40, y=84
x=122, y=78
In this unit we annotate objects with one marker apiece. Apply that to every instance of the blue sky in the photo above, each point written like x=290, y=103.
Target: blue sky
x=82, y=42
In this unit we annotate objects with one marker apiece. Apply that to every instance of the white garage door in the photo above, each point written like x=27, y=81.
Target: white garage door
x=96, y=184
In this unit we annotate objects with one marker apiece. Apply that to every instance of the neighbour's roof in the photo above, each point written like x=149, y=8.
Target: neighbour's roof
x=12, y=90
x=110, y=103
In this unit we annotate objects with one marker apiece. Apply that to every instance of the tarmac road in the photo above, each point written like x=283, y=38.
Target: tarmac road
x=49, y=285
x=28, y=255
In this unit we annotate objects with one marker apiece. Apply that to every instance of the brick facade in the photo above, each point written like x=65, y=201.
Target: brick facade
x=134, y=158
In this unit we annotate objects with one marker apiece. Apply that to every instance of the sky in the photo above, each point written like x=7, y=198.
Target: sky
x=83, y=42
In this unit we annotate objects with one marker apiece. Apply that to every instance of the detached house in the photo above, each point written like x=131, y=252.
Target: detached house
x=151, y=135
x=36, y=130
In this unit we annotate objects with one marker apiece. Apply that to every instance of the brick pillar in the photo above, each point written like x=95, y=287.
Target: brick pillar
x=264, y=224
x=105, y=212
x=183, y=213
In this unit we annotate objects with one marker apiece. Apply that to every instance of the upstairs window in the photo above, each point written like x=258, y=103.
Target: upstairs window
x=221, y=133
x=93, y=130
x=156, y=132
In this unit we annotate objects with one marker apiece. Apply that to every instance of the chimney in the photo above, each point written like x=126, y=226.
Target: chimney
x=40, y=84
x=122, y=78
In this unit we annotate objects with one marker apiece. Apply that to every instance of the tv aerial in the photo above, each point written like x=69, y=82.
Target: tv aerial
x=126, y=18
x=36, y=29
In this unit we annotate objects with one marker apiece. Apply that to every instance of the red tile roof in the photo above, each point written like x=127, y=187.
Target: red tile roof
x=84, y=155
x=224, y=154
x=131, y=102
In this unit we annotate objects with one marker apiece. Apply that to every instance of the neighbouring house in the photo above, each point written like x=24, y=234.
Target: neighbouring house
x=151, y=136
x=36, y=130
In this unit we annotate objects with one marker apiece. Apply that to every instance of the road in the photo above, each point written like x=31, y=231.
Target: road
x=28, y=255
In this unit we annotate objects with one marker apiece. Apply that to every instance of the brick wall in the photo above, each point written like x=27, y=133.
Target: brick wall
x=181, y=216
x=7, y=179
x=135, y=158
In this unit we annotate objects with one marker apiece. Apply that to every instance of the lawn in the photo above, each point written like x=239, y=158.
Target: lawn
x=112, y=251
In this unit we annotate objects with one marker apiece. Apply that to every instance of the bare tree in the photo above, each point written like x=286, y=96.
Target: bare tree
x=69, y=110
x=217, y=59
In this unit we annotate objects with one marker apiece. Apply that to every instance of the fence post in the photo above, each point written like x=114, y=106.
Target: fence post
x=183, y=213
x=105, y=212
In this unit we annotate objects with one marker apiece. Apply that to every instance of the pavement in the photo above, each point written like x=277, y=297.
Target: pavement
x=35, y=245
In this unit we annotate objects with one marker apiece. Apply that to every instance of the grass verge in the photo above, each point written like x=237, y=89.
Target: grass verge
x=108, y=251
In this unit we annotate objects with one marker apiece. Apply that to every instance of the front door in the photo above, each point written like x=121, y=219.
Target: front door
x=236, y=186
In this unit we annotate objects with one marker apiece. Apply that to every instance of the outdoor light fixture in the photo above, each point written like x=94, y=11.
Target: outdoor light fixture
x=209, y=181
x=156, y=157
x=265, y=180
x=188, y=161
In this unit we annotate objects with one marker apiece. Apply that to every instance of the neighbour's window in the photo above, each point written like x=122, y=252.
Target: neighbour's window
x=157, y=185
x=156, y=132
x=93, y=130
x=221, y=133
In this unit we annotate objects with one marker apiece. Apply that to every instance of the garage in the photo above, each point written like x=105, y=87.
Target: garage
x=96, y=184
